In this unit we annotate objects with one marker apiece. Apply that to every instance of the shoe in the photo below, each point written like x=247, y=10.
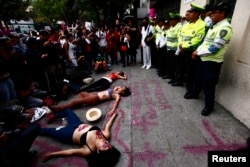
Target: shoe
x=206, y=111
x=47, y=109
x=190, y=96
x=144, y=66
x=88, y=80
x=177, y=84
x=148, y=67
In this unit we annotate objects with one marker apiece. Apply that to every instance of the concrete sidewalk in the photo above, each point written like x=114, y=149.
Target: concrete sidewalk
x=156, y=126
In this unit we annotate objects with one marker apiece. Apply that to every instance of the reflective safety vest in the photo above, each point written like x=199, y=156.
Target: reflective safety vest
x=172, y=37
x=192, y=34
x=219, y=36
x=157, y=32
x=161, y=41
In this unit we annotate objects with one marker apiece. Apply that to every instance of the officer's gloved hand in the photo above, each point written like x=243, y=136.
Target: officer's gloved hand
x=213, y=49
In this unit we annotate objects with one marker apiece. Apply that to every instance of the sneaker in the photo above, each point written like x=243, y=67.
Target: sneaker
x=148, y=67
x=87, y=80
x=47, y=109
x=144, y=66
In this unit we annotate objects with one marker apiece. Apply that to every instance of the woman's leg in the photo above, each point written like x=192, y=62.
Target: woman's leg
x=99, y=84
x=63, y=134
x=72, y=118
x=144, y=57
x=84, y=98
x=148, y=56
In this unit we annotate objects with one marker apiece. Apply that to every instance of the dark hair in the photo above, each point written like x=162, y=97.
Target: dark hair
x=146, y=18
x=107, y=158
x=126, y=92
x=69, y=35
x=121, y=73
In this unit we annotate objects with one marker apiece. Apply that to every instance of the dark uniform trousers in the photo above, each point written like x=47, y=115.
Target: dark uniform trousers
x=186, y=69
x=171, y=63
x=162, y=60
x=207, y=77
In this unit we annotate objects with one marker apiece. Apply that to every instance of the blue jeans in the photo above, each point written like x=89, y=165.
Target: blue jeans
x=64, y=134
x=7, y=90
x=15, y=153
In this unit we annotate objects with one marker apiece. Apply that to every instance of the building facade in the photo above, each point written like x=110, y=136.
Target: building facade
x=233, y=90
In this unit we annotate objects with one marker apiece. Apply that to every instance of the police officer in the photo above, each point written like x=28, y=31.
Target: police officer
x=190, y=37
x=172, y=44
x=161, y=47
x=210, y=55
x=158, y=32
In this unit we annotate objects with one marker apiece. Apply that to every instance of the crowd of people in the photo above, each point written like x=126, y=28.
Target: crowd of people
x=43, y=69
x=53, y=64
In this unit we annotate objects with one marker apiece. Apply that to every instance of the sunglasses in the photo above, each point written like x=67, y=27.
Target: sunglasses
x=214, y=12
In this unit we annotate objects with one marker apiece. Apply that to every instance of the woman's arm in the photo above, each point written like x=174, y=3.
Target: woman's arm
x=117, y=98
x=106, y=131
x=80, y=152
x=124, y=77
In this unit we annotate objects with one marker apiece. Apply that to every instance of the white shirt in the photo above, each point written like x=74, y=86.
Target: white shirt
x=102, y=38
x=144, y=33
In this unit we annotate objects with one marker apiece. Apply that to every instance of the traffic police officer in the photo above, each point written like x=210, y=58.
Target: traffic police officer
x=211, y=53
x=172, y=44
x=158, y=30
x=161, y=47
x=190, y=37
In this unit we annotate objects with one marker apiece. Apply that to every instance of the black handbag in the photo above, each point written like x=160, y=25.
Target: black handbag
x=149, y=35
x=149, y=42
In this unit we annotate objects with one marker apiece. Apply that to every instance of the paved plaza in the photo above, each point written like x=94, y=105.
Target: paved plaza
x=155, y=126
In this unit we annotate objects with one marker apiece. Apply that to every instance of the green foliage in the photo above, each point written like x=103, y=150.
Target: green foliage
x=71, y=11
x=14, y=9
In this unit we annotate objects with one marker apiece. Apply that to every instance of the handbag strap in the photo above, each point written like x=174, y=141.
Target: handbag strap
x=147, y=29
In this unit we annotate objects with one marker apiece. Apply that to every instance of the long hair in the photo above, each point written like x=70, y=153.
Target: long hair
x=126, y=92
x=107, y=158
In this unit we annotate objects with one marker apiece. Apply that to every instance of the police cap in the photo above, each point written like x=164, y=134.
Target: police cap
x=174, y=15
x=196, y=8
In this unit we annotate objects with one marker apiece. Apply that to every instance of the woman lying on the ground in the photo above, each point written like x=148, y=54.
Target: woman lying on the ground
x=93, y=98
x=93, y=141
x=105, y=82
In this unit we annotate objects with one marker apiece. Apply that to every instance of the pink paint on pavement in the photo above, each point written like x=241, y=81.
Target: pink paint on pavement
x=211, y=132
x=46, y=148
x=144, y=124
x=150, y=156
x=219, y=146
x=118, y=140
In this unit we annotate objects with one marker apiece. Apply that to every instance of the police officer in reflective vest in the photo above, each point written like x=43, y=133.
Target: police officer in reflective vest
x=210, y=55
x=158, y=32
x=190, y=37
x=172, y=44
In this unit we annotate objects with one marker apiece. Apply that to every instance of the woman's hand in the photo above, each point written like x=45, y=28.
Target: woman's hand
x=194, y=55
